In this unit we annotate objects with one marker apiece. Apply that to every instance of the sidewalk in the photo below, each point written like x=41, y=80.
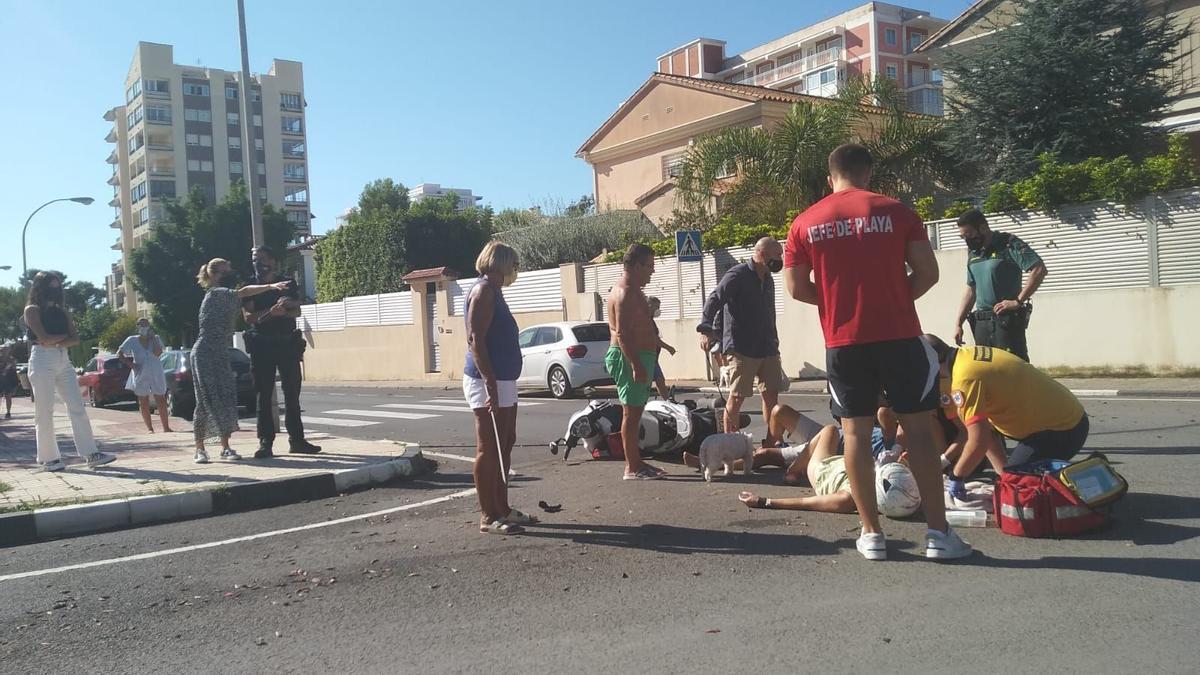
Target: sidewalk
x=154, y=477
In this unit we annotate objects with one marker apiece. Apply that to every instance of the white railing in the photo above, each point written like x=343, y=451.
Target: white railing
x=797, y=67
x=386, y=309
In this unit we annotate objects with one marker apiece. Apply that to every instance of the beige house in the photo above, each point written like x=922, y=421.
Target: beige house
x=974, y=28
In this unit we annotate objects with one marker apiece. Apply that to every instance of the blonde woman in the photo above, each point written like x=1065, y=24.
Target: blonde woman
x=216, y=389
x=490, y=386
x=51, y=330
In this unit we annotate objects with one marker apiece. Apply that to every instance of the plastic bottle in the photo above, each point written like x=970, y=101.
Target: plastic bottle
x=967, y=518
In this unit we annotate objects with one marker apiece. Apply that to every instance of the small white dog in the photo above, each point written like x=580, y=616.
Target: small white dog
x=723, y=450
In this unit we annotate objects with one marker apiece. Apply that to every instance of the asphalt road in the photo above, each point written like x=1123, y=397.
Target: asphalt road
x=670, y=576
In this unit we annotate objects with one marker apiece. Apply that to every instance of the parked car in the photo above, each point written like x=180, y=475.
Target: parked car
x=181, y=394
x=104, y=378
x=564, y=357
x=23, y=379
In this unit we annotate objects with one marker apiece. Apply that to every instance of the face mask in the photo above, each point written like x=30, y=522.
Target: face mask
x=775, y=264
x=657, y=313
x=510, y=278
x=143, y=330
x=262, y=269
x=228, y=280
x=975, y=242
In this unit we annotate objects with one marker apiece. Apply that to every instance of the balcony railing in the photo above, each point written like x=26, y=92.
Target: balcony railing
x=925, y=77
x=793, y=68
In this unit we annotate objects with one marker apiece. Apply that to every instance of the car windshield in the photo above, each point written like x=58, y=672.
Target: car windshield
x=113, y=364
x=592, y=332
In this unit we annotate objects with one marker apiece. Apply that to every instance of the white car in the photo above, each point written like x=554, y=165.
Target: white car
x=564, y=357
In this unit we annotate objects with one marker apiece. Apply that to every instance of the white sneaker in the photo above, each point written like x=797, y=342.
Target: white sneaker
x=201, y=457
x=230, y=455
x=53, y=465
x=100, y=459
x=873, y=546
x=946, y=546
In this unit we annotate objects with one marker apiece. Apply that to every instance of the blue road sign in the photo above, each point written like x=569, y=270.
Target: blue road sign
x=687, y=246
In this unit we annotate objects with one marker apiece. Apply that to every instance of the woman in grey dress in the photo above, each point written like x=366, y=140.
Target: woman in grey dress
x=216, y=388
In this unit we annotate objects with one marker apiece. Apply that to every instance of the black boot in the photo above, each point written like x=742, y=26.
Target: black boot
x=303, y=447
x=264, y=450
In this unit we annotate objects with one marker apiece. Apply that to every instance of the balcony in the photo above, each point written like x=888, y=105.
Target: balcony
x=114, y=180
x=925, y=78
x=926, y=101
x=799, y=67
x=117, y=246
x=116, y=201
x=112, y=157
x=116, y=224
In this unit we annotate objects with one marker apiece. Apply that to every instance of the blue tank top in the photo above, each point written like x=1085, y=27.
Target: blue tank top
x=501, y=340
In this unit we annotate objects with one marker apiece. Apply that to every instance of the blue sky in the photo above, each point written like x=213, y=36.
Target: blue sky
x=493, y=96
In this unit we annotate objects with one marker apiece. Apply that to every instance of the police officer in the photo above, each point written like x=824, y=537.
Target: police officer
x=275, y=345
x=995, y=302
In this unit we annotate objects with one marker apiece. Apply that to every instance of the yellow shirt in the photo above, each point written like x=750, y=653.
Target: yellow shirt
x=1016, y=398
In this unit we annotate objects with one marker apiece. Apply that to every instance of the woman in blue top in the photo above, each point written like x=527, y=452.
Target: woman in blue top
x=490, y=386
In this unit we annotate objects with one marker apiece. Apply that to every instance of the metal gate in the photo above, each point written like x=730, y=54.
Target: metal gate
x=431, y=319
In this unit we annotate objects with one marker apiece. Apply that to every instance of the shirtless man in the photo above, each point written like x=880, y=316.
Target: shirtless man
x=633, y=354
x=826, y=471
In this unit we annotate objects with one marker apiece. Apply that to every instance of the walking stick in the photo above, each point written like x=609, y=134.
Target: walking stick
x=499, y=450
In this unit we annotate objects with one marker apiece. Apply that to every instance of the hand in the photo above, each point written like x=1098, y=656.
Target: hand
x=640, y=374
x=958, y=335
x=493, y=398
x=281, y=285
x=670, y=350
x=1006, y=306
x=278, y=310
x=705, y=343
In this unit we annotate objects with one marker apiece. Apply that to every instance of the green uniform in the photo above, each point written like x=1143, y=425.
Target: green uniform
x=996, y=274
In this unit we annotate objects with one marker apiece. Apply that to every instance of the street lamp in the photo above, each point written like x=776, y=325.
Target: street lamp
x=5, y=268
x=79, y=200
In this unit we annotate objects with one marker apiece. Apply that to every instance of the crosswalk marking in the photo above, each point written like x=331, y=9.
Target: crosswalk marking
x=522, y=401
x=381, y=413
x=336, y=422
x=422, y=406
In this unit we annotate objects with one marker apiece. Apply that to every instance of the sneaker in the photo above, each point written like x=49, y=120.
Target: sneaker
x=230, y=455
x=946, y=545
x=872, y=545
x=264, y=451
x=303, y=448
x=201, y=457
x=54, y=465
x=100, y=459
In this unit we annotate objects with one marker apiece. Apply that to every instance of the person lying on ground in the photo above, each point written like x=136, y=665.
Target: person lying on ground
x=826, y=472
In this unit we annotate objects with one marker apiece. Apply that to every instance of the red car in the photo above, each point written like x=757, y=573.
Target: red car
x=104, y=378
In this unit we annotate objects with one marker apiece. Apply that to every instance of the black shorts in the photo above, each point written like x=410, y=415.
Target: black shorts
x=905, y=371
x=1051, y=444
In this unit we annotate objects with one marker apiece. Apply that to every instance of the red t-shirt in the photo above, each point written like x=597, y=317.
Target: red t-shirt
x=855, y=241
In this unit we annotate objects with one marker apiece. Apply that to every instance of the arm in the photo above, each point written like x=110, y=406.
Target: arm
x=919, y=256
x=799, y=283
x=664, y=345
x=33, y=319
x=480, y=309
x=1037, y=274
x=838, y=502
x=964, y=309
x=123, y=355
x=981, y=441
x=251, y=291
x=713, y=306
x=157, y=346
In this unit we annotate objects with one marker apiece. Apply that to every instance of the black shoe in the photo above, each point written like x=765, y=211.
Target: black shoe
x=264, y=451
x=304, y=448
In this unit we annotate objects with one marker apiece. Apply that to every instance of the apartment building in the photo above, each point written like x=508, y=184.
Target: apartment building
x=180, y=128
x=874, y=38
x=466, y=199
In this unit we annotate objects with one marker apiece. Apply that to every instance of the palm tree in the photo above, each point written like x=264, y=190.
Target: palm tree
x=783, y=168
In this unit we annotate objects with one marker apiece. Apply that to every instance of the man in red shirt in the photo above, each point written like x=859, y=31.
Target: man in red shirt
x=846, y=254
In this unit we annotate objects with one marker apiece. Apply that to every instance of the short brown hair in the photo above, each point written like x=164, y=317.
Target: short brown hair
x=972, y=218
x=851, y=160
x=637, y=254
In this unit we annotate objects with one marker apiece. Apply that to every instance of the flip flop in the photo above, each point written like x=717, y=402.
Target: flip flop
x=518, y=518
x=645, y=473
x=500, y=527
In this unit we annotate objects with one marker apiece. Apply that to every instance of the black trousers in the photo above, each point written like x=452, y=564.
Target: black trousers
x=1006, y=331
x=267, y=357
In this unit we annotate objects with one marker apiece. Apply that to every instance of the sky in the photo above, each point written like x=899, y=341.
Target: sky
x=492, y=96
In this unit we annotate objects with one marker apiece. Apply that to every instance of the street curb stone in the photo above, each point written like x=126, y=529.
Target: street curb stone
x=112, y=514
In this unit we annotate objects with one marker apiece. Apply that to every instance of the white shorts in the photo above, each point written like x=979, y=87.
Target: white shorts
x=476, y=393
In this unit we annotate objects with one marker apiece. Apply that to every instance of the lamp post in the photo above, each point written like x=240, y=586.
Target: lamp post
x=249, y=155
x=79, y=200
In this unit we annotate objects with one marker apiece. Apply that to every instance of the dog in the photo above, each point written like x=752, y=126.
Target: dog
x=723, y=450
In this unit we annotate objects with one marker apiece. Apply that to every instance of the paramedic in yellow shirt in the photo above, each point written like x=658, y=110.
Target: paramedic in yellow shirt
x=993, y=389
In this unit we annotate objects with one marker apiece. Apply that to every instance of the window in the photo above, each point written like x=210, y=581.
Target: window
x=201, y=140
x=671, y=165
x=256, y=95
x=296, y=196
x=232, y=119
x=289, y=101
x=133, y=117
x=158, y=87
x=889, y=36
x=262, y=169
x=235, y=167
x=138, y=192
x=190, y=89
x=258, y=144
x=135, y=143
x=160, y=189
x=891, y=71
x=915, y=40
x=235, y=142
x=196, y=115
x=258, y=120
x=297, y=217
x=525, y=339
x=231, y=91
x=293, y=171
x=547, y=335
x=90, y=367
x=144, y=215
x=203, y=165
x=262, y=194
x=292, y=125
x=293, y=148
x=134, y=91
x=159, y=114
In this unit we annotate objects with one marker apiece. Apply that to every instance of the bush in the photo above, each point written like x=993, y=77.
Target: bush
x=564, y=239
x=724, y=234
x=1001, y=197
x=112, y=337
x=957, y=208
x=924, y=208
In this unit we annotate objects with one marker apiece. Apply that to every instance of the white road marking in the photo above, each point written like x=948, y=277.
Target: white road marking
x=520, y=401
x=336, y=422
x=424, y=406
x=381, y=413
x=446, y=455
x=1095, y=393
x=235, y=540
x=1132, y=398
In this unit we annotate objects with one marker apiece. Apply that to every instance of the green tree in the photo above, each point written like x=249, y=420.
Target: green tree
x=83, y=296
x=582, y=207
x=164, y=267
x=1076, y=78
x=383, y=195
x=436, y=233
x=765, y=173
x=12, y=305
x=112, y=337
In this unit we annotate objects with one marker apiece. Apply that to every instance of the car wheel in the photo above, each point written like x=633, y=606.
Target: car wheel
x=560, y=385
x=179, y=408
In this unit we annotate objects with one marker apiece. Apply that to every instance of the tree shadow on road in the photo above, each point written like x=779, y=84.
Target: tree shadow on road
x=1168, y=452
x=1170, y=569
x=687, y=540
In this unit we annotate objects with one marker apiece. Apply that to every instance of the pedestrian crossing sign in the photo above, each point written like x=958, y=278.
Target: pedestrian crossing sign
x=687, y=246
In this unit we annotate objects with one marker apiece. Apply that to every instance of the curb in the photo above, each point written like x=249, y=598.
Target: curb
x=73, y=520
x=1081, y=393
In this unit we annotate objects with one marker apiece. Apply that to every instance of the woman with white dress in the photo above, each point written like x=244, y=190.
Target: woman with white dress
x=141, y=354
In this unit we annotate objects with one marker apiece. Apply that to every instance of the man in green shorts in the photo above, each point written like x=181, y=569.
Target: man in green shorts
x=633, y=354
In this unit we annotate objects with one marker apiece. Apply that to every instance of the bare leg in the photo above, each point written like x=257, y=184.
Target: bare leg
x=164, y=415
x=733, y=410
x=506, y=419
x=770, y=400
x=631, y=421
x=781, y=422
x=860, y=468
x=660, y=384
x=487, y=466
x=144, y=406
x=225, y=442
x=926, y=468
